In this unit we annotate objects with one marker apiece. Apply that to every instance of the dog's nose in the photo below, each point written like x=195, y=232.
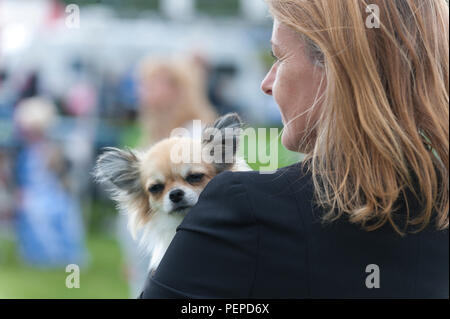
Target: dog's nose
x=176, y=195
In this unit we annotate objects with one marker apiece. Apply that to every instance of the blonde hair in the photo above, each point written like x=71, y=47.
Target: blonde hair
x=190, y=80
x=384, y=124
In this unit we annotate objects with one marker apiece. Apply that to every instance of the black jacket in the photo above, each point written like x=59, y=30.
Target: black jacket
x=255, y=235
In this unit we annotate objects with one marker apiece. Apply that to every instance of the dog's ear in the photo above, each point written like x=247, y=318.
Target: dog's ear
x=118, y=170
x=221, y=140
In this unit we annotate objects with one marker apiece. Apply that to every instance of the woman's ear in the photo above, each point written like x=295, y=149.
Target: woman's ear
x=118, y=170
x=221, y=140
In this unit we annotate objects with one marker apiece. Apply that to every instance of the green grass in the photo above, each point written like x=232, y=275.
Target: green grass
x=101, y=278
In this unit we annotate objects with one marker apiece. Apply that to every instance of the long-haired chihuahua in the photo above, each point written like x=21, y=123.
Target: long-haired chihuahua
x=156, y=189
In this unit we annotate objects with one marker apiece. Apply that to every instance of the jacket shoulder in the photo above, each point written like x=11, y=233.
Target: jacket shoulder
x=282, y=181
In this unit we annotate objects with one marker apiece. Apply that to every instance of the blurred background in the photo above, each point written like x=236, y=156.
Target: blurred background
x=76, y=76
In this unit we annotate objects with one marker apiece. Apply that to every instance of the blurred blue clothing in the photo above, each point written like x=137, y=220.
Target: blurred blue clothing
x=127, y=93
x=50, y=230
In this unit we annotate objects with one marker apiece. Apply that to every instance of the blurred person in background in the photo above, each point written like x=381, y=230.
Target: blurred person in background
x=80, y=103
x=172, y=92
x=49, y=225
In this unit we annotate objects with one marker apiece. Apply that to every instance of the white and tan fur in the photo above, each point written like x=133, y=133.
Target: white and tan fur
x=155, y=192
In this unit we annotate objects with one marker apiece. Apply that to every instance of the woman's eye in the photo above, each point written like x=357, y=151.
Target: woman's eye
x=156, y=188
x=194, y=178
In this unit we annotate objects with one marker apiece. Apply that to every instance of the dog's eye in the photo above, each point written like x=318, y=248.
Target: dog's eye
x=156, y=188
x=194, y=178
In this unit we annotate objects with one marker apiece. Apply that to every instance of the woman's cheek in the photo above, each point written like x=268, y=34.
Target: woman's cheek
x=280, y=95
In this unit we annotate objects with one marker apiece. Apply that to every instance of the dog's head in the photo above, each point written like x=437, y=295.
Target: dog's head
x=169, y=177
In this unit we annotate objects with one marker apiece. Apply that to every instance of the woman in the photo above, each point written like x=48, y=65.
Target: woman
x=49, y=218
x=365, y=215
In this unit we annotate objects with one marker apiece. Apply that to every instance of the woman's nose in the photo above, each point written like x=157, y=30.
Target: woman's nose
x=266, y=85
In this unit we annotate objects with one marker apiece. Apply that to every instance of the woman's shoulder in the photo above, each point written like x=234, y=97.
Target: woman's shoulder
x=246, y=197
x=222, y=233
x=252, y=194
x=281, y=182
